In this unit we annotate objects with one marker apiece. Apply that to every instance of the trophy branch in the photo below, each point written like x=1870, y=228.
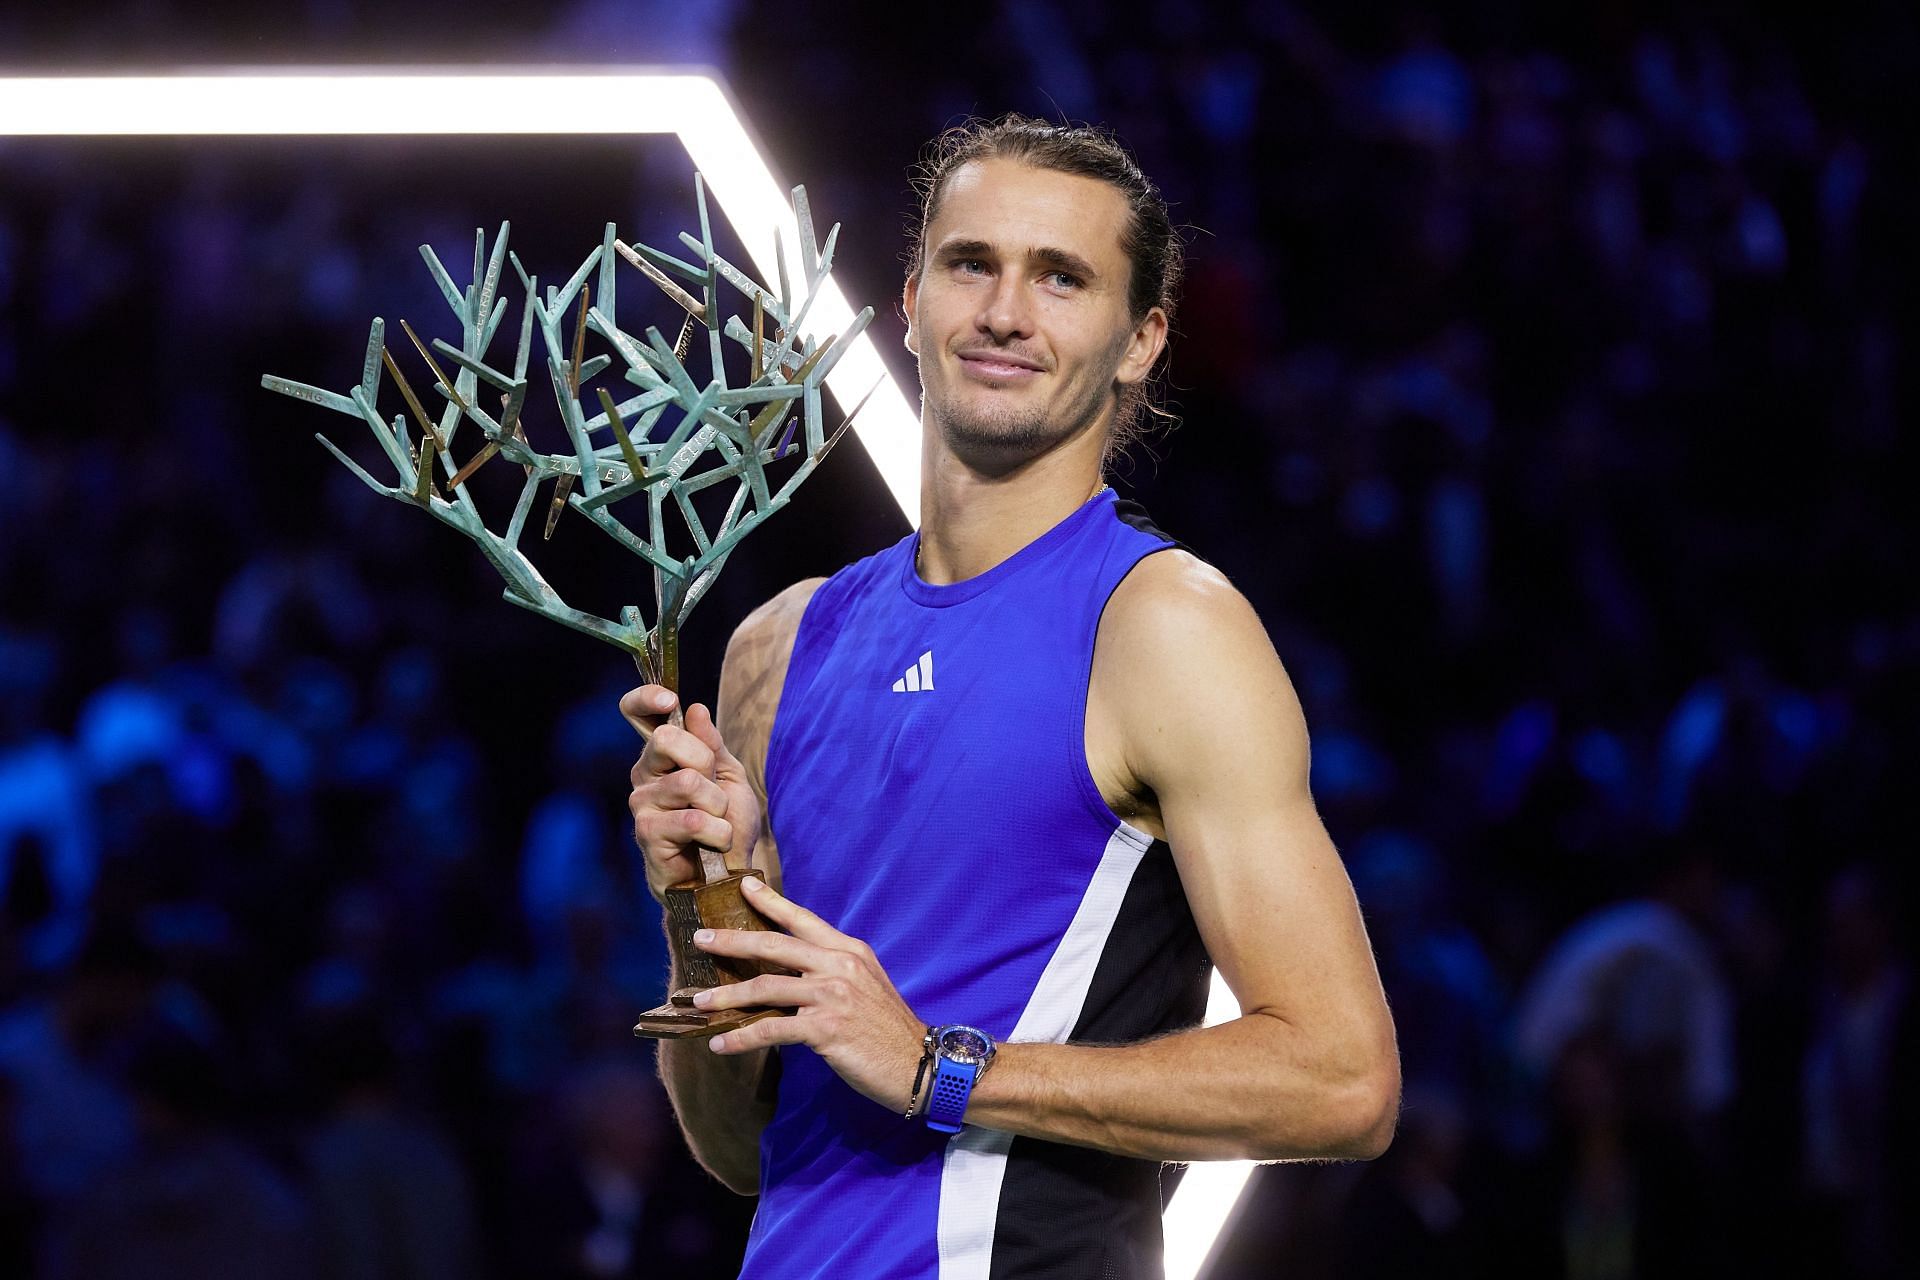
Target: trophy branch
x=650, y=446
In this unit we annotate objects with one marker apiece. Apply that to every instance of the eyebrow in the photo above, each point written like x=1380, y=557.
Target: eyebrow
x=1047, y=256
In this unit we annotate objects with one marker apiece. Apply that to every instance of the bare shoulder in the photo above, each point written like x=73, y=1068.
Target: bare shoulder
x=755, y=670
x=770, y=628
x=1171, y=605
x=1191, y=676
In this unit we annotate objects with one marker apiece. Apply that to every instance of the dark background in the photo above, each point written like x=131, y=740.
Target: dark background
x=1540, y=377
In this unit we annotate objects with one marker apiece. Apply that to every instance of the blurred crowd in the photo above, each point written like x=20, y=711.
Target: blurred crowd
x=1540, y=379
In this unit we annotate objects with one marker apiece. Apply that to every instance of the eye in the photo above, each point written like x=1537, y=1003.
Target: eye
x=969, y=266
x=1063, y=280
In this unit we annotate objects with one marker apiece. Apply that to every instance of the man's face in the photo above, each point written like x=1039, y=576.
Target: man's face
x=1019, y=313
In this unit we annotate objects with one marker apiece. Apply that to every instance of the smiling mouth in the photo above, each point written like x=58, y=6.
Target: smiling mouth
x=987, y=365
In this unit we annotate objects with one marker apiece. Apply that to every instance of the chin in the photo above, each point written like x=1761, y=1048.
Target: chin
x=998, y=442
x=995, y=429
x=990, y=418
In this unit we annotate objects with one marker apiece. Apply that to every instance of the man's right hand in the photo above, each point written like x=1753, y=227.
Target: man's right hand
x=689, y=792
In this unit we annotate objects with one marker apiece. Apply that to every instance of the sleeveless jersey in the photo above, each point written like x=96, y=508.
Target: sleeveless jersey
x=927, y=783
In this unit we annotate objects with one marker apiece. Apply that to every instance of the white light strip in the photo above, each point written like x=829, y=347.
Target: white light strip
x=743, y=184
x=1210, y=1192
x=323, y=101
x=342, y=101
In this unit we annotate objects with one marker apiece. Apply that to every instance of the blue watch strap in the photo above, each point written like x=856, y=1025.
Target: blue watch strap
x=952, y=1086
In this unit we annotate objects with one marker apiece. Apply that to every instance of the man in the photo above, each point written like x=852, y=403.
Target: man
x=1029, y=770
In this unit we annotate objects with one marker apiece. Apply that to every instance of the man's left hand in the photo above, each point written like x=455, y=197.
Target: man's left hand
x=846, y=1009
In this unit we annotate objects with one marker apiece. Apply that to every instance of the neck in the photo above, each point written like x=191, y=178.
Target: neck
x=971, y=521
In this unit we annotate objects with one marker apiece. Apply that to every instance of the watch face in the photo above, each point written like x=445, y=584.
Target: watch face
x=964, y=1044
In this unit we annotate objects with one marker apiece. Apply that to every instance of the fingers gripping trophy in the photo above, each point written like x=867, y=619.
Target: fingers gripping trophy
x=655, y=442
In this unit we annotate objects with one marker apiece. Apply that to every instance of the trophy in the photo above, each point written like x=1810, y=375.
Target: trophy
x=664, y=439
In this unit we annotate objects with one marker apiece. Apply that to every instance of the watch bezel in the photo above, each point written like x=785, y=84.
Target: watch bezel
x=951, y=1043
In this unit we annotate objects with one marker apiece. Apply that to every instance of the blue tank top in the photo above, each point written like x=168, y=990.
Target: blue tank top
x=927, y=783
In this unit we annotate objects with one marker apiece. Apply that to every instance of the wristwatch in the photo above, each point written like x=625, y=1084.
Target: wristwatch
x=961, y=1055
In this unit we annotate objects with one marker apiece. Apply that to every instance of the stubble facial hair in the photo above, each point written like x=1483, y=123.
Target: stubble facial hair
x=992, y=440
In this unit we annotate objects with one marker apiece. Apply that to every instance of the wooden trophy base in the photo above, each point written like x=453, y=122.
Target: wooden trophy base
x=672, y=1021
x=716, y=904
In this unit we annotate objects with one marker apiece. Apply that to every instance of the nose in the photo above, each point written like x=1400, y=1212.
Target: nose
x=1006, y=312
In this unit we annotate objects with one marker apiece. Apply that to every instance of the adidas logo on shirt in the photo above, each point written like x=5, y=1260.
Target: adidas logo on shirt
x=919, y=677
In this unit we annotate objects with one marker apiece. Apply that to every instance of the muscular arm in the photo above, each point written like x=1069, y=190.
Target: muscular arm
x=1197, y=720
x=723, y=1103
x=1310, y=1068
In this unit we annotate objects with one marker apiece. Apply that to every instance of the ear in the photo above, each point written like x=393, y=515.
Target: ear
x=1144, y=346
x=908, y=296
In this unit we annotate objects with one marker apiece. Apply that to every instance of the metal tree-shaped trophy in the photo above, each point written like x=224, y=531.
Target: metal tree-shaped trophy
x=618, y=453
